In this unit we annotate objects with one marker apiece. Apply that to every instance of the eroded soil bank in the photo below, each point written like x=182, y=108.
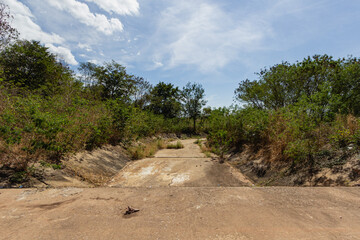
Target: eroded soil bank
x=338, y=170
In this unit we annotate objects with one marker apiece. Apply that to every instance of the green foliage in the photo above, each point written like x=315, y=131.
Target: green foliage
x=164, y=100
x=19, y=177
x=111, y=81
x=193, y=101
x=346, y=131
x=51, y=165
x=47, y=113
x=320, y=84
x=294, y=111
x=30, y=66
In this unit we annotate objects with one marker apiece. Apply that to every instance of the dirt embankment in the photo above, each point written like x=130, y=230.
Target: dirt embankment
x=84, y=169
x=337, y=170
x=112, y=166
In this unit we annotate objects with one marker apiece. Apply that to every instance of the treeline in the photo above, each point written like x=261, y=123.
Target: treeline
x=47, y=111
x=297, y=113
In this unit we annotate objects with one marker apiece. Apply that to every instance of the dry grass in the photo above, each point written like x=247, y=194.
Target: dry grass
x=90, y=177
x=177, y=145
x=146, y=150
x=204, y=149
x=352, y=123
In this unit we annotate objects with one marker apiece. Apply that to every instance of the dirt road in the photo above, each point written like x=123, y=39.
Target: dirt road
x=168, y=210
x=179, y=167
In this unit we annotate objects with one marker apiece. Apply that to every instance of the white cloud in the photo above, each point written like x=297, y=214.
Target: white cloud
x=94, y=61
x=81, y=12
x=122, y=7
x=63, y=53
x=24, y=23
x=157, y=64
x=85, y=46
x=202, y=34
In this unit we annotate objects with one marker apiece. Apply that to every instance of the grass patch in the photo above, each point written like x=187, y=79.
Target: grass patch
x=177, y=145
x=207, y=154
x=204, y=149
x=146, y=150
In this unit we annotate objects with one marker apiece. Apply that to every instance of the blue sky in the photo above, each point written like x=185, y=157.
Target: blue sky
x=215, y=43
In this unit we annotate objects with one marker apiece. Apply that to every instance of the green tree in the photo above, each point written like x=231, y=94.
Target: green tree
x=142, y=94
x=110, y=81
x=193, y=101
x=164, y=99
x=347, y=87
x=29, y=65
x=320, y=85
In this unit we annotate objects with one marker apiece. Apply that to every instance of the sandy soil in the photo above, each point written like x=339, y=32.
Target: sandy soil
x=179, y=199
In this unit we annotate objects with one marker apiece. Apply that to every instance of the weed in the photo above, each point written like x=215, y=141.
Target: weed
x=146, y=150
x=51, y=165
x=177, y=145
x=161, y=144
x=19, y=177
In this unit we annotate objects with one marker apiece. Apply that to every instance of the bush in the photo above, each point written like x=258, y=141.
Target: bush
x=177, y=145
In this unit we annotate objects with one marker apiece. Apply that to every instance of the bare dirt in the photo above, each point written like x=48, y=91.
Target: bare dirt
x=178, y=196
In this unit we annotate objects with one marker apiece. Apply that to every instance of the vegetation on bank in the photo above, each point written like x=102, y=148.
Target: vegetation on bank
x=301, y=114
x=44, y=120
x=48, y=111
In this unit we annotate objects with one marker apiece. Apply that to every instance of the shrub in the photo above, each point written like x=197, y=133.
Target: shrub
x=148, y=149
x=177, y=145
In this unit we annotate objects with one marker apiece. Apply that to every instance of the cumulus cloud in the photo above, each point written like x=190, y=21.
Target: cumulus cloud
x=122, y=7
x=24, y=23
x=205, y=36
x=81, y=12
x=63, y=53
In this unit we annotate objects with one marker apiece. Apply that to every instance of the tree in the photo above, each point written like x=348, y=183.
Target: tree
x=116, y=83
x=29, y=65
x=164, y=99
x=111, y=80
x=88, y=74
x=7, y=33
x=193, y=100
x=142, y=94
x=286, y=84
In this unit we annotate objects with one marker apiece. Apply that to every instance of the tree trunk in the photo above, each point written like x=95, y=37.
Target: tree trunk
x=194, y=119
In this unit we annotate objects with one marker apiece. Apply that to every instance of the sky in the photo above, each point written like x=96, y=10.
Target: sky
x=217, y=43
